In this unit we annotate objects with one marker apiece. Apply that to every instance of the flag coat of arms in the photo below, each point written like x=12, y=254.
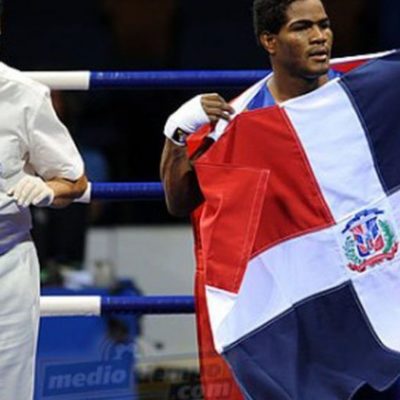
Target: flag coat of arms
x=298, y=255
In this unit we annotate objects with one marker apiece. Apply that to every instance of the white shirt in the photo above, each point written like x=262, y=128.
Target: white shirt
x=32, y=141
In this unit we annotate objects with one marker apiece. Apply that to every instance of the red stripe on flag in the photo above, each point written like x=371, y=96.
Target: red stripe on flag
x=229, y=220
x=348, y=66
x=255, y=142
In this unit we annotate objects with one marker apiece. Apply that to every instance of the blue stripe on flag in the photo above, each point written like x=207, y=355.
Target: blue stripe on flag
x=375, y=92
x=322, y=349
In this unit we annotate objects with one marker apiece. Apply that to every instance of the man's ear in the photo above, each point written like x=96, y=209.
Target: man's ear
x=268, y=42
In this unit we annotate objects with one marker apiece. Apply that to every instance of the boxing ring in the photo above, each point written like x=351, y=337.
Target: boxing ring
x=55, y=306
x=52, y=372
x=125, y=191
x=90, y=306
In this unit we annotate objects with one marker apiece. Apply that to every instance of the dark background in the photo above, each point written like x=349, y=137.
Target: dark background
x=120, y=132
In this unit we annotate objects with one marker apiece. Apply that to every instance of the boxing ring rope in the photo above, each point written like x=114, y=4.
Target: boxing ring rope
x=89, y=306
x=90, y=80
x=127, y=191
x=56, y=306
x=87, y=80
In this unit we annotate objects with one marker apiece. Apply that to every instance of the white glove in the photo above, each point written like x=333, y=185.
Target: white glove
x=32, y=190
x=189, y=117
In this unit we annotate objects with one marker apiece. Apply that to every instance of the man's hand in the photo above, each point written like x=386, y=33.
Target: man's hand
x=32, y=190
x=195, y=113
x=216, y=107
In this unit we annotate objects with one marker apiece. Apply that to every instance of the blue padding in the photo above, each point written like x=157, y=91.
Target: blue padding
x=127, y=191
x=375, y=92
x=173, y=79
x=322, y=348
x=148, y=305
x=82, y=348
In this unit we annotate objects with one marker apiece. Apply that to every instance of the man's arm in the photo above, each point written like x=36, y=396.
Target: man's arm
x=182, y=191
x=56, y=192
x=66, y=191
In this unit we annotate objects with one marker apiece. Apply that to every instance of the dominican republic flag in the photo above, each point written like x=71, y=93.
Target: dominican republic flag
x=298, y=277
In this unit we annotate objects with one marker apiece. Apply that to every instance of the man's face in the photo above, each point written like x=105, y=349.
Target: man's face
x=303, y=45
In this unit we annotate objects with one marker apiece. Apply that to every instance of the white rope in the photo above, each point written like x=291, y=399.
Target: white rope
x=62, y=80
x=53, y=306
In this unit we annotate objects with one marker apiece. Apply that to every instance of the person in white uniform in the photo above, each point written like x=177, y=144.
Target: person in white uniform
x=39, y=166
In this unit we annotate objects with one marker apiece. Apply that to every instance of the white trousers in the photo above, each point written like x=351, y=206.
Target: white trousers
x=19, y=321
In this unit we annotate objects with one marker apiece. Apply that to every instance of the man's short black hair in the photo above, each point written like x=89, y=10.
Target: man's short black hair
x=269, y=15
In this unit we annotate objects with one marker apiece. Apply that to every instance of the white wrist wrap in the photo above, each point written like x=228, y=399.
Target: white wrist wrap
x=189, y=117
x=86, y=197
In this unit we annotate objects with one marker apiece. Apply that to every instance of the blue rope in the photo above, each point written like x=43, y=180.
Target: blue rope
x=148, y=305
x=173, y=79
x=127, y=191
